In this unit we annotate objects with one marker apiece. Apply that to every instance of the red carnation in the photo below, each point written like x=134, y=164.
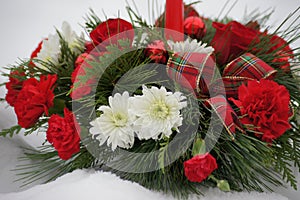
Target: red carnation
x=63, y=133
x=156, y=51
x=194, y=27
x=14, y=87
x=82, y=88
x=264, y=104
x=35, y=98
x=112, y=27
x=231, y=40
x=199, y=167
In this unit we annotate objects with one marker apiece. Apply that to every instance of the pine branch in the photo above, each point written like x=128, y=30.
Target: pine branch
x=260, y=17
x=136, y=20
x=11, y=131
x=92, y=20
x=287, y=154
x=46, y=165
x=246, y=163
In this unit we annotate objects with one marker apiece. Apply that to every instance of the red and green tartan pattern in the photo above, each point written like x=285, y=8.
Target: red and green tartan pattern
x=244, y=68
x=226, y=114
x=194, y=71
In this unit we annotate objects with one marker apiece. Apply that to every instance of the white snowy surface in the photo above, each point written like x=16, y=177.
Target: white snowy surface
x=83, y=184
x=23, y=24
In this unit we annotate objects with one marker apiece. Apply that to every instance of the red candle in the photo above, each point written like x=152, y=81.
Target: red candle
x=174, y=19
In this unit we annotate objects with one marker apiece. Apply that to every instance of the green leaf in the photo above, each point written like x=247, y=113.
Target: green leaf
x=223, y=185
x=59, y=105
x=162, y=154
x=199, y=147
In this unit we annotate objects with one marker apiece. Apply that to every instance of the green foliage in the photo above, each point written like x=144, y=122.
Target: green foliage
x=286, y=154
x=17, y=129
x=44, y=164
x=199, y=147
x=137, y=21
x=162, y=154
x=39, y=125
x=260, y=17
x=210, y=31
x=91, y=21
x=291, y=84
x=10, y=131
x=246, y=163
x=169, y=179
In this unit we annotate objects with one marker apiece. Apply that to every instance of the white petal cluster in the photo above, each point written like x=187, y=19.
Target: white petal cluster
x=153, y=115
x=74, y=41
x=115, y=125
x=158, y=112
x=189, y=46
x=50, y=51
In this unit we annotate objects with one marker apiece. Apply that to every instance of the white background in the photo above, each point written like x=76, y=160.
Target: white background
x=24, y=23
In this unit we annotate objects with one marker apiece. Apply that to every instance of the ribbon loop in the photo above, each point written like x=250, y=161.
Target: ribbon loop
x=198, y=72
x=195, y=71
x=226, y=114
x=244, y=68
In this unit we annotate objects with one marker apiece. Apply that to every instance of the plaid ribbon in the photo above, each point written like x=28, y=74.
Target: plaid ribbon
x=244, y=68
x=226, y=114
x=194, y=71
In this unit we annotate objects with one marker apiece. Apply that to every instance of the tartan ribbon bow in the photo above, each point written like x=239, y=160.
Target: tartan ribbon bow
x=244, y=68
x=197, y=72
x=192, y=70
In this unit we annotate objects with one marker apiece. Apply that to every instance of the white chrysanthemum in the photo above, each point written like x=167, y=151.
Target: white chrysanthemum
x=114, y=126
x=157, y=111
x=190, y=46
x=74, y=41
x=49, y=52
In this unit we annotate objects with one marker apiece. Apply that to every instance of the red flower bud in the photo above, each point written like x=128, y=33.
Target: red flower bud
x=194, y=27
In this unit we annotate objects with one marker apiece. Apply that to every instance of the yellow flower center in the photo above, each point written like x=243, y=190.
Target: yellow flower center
x=159, y=110
x=120, y=120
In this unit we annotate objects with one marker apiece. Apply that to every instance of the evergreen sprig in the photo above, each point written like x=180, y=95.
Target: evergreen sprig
x=91, y=20
x=11, y=131
x=286, y=154
x=44, y=164
x=246, y=163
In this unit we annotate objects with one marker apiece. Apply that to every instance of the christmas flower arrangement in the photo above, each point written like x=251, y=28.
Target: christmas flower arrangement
x=186, y=103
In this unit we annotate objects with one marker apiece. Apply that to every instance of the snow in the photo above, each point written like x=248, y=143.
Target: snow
x=22, y=29
x=89, y=184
